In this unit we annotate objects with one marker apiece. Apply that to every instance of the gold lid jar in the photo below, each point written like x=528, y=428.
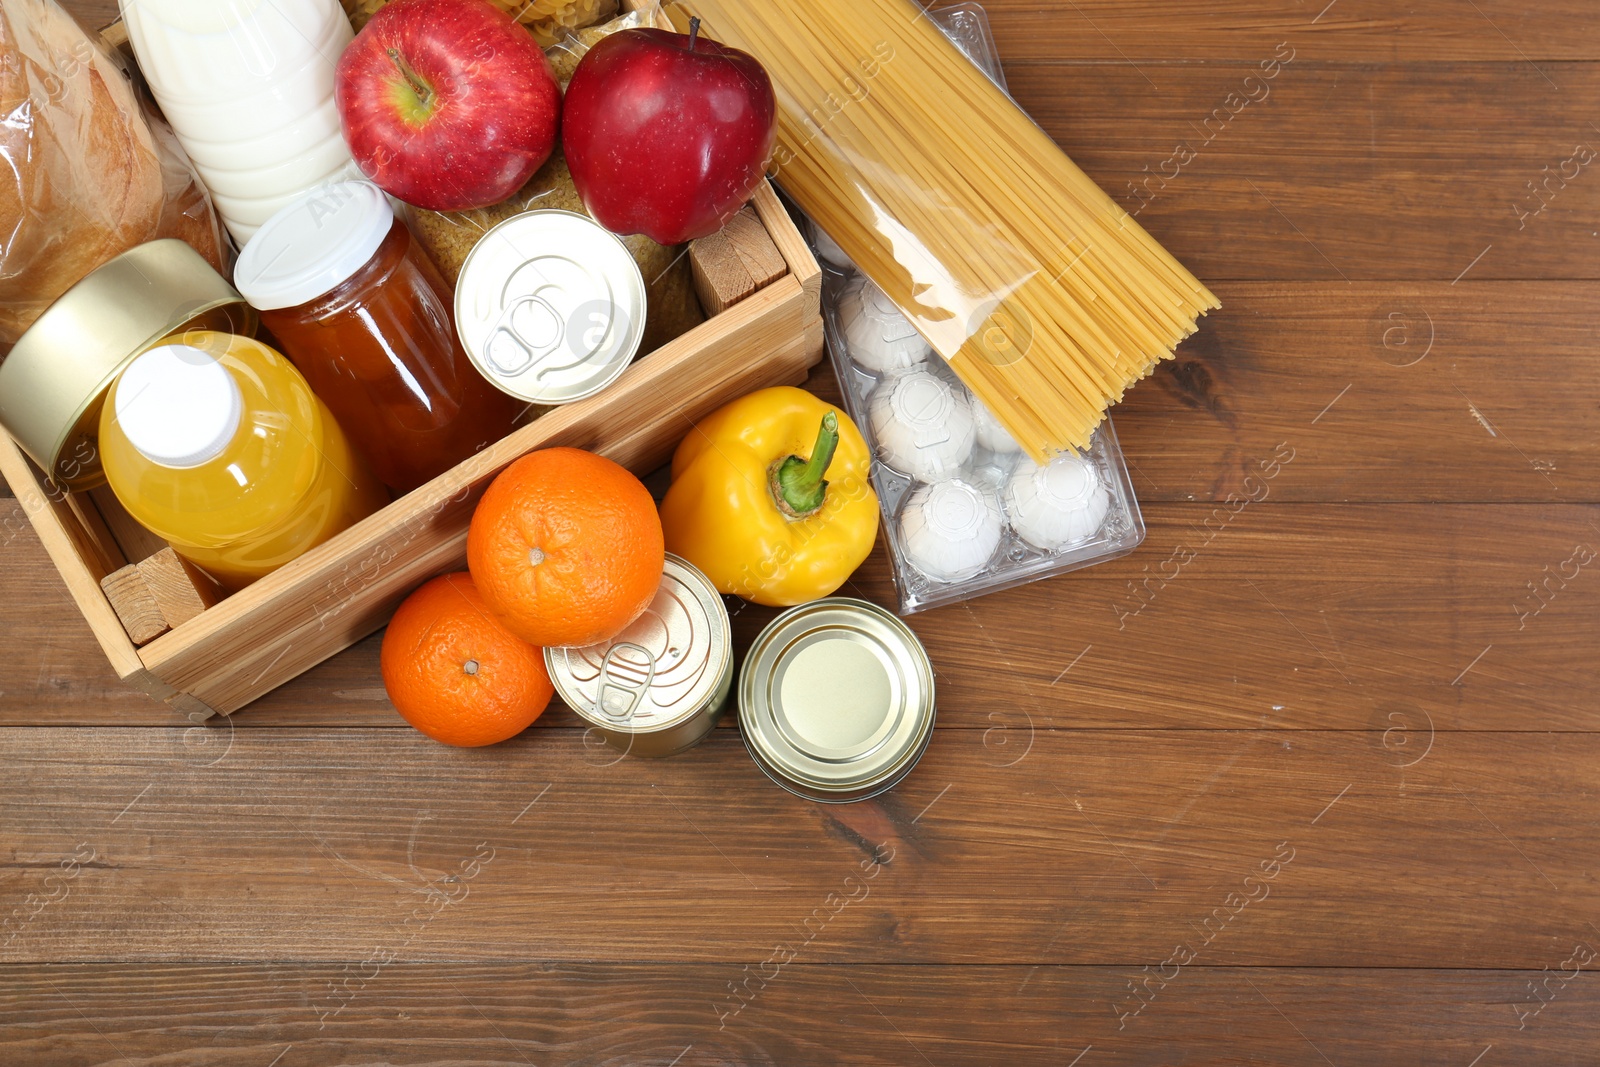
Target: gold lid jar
x=54, y=382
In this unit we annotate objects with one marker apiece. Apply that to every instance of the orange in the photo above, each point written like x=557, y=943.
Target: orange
x=455, y=673
x=566, y=547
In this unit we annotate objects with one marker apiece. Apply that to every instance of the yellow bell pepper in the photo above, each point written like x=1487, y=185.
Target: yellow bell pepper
x=749, y=504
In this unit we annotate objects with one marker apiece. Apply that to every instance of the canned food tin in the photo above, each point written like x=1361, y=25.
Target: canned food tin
x=836, y=700
x=550, y=306
x=660, y=685
x=54, y=382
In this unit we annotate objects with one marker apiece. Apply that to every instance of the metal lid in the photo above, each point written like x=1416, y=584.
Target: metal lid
x=550, y=306
x=836, y=700
x=660, y=670
x=54, y=382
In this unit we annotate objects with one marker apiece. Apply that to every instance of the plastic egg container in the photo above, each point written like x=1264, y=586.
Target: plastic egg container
x=965, y=511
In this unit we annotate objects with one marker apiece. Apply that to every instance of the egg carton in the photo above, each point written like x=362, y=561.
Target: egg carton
x=965, y=512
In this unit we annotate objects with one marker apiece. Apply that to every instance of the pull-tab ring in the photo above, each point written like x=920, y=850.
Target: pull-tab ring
x=624, y=682
x=510, y=348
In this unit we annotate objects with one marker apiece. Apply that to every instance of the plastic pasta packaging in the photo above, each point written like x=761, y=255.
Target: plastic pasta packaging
x=1042, y=293
x=672, y=309
x=88, y=171
x=965, y=511
x=547, y=20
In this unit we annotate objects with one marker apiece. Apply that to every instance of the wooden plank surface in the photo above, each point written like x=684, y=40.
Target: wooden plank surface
x=1340, y=171
x=1366, y=680
x=1063, y=847
x=479, y=1015
x=1368, y=31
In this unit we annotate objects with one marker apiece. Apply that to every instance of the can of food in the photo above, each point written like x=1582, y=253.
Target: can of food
x=54, y=382
x=658, y=687
x=550, y=306
x=836, y=700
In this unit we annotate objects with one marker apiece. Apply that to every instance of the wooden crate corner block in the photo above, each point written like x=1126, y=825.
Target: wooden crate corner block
x=734, y=262
x=159, y=594
x=134, y=604
x=179, y=588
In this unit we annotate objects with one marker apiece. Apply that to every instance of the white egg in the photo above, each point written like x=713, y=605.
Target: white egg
x=923, y=428
x=877, y=335
x=991, y=434
x=1056, y=505
x=950, y=530
x=828, y=249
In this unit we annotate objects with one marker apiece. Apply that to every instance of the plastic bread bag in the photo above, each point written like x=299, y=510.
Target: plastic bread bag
x=672, y=309
x=1041, y=292
x=548, y=20
x=89, y=171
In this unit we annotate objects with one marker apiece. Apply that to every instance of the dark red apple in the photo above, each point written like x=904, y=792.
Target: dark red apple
x=667, y=134
x=447, y=104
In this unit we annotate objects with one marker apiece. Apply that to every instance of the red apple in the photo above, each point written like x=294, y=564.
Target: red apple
x=447, y=104
x=667, y=134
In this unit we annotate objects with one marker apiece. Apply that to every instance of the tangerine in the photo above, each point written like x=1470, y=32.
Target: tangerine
x=455, y=673
x=566, y=547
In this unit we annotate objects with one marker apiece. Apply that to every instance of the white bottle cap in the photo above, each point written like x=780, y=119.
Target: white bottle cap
x=178, y=406
x=313, y=244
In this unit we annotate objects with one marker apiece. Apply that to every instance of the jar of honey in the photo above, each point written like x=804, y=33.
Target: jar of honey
x=363, y=313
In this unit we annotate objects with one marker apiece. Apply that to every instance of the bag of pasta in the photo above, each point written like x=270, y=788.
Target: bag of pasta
x=88, y=171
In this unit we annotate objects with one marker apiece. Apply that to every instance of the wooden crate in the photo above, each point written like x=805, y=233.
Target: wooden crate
x=255, y=640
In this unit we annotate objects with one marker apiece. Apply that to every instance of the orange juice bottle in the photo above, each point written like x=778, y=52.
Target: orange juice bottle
x=216, y=443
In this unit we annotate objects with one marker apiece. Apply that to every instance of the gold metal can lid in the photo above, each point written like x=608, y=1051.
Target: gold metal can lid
x=54, y=382
x=836, y=700
x=666, y=667
x=550, y=306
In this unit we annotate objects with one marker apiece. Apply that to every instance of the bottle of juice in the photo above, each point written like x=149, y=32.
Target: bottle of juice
x=216, y=443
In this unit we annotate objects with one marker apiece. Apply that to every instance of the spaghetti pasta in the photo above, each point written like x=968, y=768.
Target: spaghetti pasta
x=1042, y=293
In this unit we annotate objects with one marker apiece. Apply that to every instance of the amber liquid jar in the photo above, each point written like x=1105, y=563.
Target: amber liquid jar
x=377, y=343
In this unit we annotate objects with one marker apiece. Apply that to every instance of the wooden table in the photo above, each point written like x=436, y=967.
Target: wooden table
x=1309, y=779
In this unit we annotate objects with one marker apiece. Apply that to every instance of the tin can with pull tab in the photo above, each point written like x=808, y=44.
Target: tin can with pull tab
x=550, y=306
x=658, y=687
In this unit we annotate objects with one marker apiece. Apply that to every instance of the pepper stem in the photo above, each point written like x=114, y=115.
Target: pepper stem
x=798, y=484
x=694, y=31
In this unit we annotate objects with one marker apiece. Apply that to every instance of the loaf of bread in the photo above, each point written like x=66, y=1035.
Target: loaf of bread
x=87, y=172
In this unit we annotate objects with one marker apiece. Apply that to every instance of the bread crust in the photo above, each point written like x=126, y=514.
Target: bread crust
x=82, y=176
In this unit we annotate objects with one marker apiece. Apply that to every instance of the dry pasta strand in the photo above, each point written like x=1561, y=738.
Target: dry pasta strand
x=1042, y=293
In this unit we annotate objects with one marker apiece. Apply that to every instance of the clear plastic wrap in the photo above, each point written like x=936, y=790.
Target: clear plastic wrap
x=965, y=511
x=89, y=170
x=548, y=20
x=1043, y=295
